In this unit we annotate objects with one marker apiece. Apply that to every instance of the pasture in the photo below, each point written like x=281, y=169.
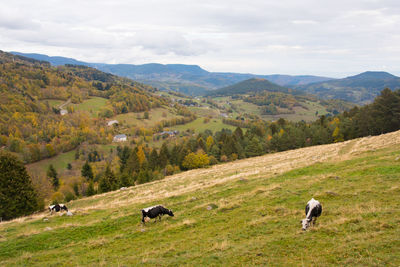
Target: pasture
x=240, y=213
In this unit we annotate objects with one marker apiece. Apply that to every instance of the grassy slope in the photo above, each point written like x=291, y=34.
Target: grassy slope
x=92, y=105
x=59, y=162
x=198, y=125
x=300, y=113
x=155, y=115
x=255, y=220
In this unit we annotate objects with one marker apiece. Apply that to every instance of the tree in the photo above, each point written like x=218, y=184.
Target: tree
x=52, y=174
x=90, y=190
x=17, y=195
x=69, y=166
x=164, y=155
x=108, y=182
x=153, y=159
x=87, y=171
x=198, y=160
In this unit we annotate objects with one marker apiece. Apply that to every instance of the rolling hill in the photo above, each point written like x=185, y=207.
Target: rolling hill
x=242, y=213
x=31, y=92
x=274, y=101
x=254, y=85
x=188, y=79
x=361, y=88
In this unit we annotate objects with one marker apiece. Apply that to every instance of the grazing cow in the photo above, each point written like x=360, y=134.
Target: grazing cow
x=313, y=210
x=57, y=208
x=154, y=212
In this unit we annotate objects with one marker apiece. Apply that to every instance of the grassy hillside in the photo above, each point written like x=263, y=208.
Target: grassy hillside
x=246, y=212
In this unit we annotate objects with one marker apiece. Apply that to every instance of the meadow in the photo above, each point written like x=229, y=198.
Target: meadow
x=242, y=213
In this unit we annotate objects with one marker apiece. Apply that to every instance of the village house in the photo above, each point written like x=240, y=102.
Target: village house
x=120, y=138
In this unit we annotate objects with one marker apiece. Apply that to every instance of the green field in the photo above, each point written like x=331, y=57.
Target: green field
x=59, y=162
x=242, y=213
x=136, y=118
x=300, y=113
x=198, y=126
x=92, y=105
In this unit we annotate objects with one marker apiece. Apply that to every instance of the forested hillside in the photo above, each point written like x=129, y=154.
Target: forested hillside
x=361, y=88
x=30, y=122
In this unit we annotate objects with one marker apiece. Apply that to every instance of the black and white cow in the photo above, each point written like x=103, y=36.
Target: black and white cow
x=57, y=208
x=313, y=210
x=154, y=212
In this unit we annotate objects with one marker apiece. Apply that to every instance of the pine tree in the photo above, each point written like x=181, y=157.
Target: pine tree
x=90, y=190
x=164, y=155
x=52, y=174
x=87, y=171
x=153, y=159
x=17, y=195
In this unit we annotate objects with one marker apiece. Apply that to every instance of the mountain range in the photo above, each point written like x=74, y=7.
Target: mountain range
x=188, y=79
x=361, y=88
x=193, y=80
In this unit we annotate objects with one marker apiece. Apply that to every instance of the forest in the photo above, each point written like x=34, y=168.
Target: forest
x=33, y=128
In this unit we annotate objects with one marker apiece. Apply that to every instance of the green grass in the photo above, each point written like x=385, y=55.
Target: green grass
x=300, y=113
x=155, y=115
x=59, y=162
x=92, y=105
x=255, y=220
x=198, y=125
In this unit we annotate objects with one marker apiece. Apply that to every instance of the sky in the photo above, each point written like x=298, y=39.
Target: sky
x=314, y=37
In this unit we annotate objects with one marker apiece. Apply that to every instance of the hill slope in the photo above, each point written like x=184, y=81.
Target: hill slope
x=188, y=79
x=254, y=85
x=32, y=127
x=241, y=213
x=361, y=88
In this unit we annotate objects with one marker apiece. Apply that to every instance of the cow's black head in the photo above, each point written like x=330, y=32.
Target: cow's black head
x=170, y=213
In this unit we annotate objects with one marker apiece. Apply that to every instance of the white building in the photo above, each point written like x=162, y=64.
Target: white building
x=120, y=138
x=63, y=112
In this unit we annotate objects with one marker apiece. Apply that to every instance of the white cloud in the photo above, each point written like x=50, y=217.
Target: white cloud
x=336, y=38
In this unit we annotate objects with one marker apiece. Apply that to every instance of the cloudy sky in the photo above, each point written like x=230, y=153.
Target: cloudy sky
x=321, y=37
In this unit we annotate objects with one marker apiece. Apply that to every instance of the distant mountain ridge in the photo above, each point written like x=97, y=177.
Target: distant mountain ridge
x=188, y=79
x=253, y=85
x=361, y=88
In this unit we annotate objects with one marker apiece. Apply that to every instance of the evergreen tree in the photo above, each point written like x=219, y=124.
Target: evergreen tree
x=386, y=111
x=164, y=155
x=87, y=171
x=52, y=174
x=90, y=190
x=17, y=195
x=254, y=148
x=153, y=159
x=123, y=155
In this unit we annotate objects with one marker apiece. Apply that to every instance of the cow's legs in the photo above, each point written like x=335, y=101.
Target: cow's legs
x=315, y=220
x=159, y=217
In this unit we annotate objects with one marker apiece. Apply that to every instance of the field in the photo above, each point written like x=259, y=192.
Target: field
x=198, y=125
x=59, y=162
x=300, y=113
x=242, y=213
x=133, y=119
x=91, y=105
